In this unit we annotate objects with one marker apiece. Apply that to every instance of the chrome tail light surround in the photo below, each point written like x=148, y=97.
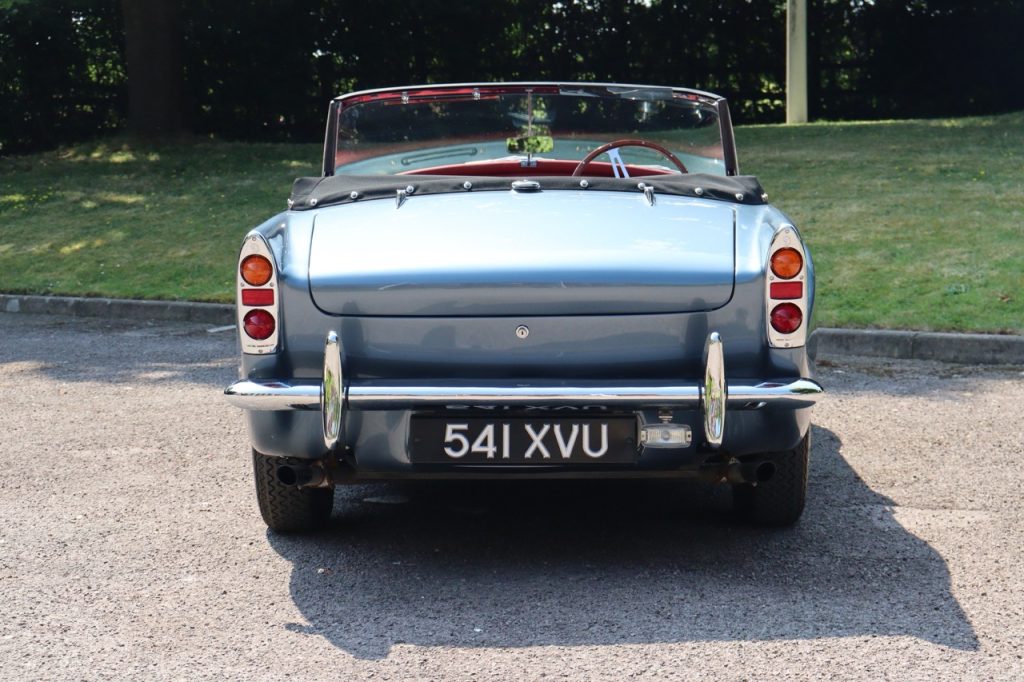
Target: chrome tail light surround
x=786, y=237
x=255, y=244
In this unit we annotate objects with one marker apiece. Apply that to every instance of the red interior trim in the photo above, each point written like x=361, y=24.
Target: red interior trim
x=512, y=167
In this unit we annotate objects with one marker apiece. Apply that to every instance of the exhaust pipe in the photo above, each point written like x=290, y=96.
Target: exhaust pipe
x=735, y=471
x=311, y=475
x=764, y=471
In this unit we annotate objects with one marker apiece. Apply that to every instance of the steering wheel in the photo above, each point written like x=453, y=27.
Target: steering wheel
x=627, y=143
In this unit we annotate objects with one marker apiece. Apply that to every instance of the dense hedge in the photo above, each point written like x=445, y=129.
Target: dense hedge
x=265, y=69
x=61, y=72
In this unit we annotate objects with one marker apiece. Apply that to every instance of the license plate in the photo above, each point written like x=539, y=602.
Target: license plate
x=523, y=440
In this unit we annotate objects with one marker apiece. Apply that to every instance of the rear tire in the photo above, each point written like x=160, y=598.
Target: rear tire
x=288, y=508
x=780, y=500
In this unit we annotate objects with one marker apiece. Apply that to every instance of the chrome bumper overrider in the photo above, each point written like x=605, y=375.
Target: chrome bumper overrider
x=712, y=396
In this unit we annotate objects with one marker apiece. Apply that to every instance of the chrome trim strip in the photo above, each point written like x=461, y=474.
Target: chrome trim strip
x=384, y=396
x=570, y=86
x=273, y=395
x=795, y=392
x=715, y=393
x=525, y=186
x=391, y=397
x=277, y=395
x=332, y=391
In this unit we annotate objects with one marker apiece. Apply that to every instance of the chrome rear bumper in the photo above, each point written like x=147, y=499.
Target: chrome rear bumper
x=385, y=395
x=712, y=396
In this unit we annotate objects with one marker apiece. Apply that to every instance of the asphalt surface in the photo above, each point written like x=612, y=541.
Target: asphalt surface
x=131, y=547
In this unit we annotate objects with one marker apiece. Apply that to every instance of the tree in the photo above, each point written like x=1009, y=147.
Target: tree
x=153, y=51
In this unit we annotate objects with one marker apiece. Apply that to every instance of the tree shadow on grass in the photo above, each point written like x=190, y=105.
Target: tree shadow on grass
x=520, y=564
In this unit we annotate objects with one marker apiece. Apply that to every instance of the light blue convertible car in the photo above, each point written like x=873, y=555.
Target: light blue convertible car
x=526, y=280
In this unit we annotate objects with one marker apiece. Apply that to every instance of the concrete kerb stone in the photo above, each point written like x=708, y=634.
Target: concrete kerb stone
x=982, y=349
x=871, y=342
x=824, y=342
x=971, y=349
x=170, y=311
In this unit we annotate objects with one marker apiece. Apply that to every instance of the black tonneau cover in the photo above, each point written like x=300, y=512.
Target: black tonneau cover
x=309, y=193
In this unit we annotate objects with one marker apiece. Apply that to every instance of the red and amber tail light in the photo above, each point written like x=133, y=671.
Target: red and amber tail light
x=256, y=270
x=786, y=290
x=257, y=297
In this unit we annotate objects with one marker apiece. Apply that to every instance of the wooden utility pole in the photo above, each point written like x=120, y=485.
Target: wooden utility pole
x=796, y=61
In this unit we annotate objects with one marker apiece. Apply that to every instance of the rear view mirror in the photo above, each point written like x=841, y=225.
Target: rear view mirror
x=532, y=144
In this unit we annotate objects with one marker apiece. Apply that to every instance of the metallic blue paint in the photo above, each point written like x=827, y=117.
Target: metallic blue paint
x=505, y=253
x=642, y=345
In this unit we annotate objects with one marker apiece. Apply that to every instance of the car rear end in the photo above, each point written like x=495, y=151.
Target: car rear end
x=572, y=332
x=482, y=297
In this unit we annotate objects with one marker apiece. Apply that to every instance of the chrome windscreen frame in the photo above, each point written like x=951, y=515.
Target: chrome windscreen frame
x=728, y=141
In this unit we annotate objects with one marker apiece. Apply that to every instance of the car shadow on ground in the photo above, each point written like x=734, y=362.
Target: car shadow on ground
x=517, y=564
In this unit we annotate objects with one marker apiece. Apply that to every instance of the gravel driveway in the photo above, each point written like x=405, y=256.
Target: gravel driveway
x=131, y=546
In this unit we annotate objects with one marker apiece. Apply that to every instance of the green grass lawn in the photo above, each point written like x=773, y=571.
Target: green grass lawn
x=913, y=224
x=123, y=220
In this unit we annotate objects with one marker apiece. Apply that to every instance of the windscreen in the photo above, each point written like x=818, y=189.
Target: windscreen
x=477, y=129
